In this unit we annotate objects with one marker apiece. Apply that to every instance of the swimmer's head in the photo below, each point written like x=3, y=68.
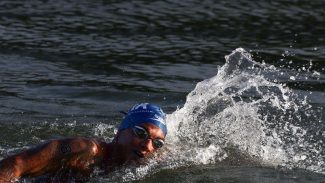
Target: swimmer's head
x=144, y=113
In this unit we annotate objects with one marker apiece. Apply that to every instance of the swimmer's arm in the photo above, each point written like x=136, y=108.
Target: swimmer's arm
x=46, y=158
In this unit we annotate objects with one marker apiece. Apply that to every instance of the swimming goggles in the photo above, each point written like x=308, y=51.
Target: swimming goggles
x=142, y=133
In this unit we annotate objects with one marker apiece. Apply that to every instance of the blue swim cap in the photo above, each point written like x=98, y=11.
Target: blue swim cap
x=144, y=113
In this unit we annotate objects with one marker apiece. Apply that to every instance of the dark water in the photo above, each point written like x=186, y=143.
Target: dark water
x=68, y=67
x=233, y=174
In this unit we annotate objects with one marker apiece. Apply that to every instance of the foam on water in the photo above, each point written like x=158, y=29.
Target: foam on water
x=241, y=116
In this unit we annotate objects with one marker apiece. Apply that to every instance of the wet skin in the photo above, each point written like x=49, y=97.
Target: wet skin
x=79, y=156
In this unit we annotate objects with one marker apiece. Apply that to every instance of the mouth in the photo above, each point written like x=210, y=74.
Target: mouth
x=138, y=153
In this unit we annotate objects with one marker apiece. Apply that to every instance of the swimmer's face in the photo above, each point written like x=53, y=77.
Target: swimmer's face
x=140, y=141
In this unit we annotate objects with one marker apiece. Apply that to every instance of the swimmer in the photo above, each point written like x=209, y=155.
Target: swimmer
x=140, y=134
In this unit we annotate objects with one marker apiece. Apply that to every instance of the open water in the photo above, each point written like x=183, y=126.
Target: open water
x=243, y=82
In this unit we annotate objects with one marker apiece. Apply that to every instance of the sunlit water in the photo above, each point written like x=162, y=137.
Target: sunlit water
x=67, y=68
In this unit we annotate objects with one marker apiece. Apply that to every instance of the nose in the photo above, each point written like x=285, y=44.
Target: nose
x=147, y=145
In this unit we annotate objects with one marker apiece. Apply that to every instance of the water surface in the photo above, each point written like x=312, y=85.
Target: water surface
x=67, y=68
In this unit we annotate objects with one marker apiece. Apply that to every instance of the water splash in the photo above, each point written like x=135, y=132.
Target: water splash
x=242, y=117
x=243, y=110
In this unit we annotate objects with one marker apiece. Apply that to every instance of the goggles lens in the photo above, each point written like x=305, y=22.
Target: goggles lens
x=142, y=133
